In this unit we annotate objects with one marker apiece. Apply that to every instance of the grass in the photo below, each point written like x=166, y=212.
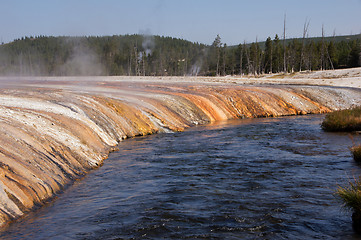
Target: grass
x=343, y=121
x=356, y=152
x=351, y=195
x=351, y=198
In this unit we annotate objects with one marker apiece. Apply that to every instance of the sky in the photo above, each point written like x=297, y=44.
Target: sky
x=200, y=21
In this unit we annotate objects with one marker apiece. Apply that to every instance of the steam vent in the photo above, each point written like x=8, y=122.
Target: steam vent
x=54, y=130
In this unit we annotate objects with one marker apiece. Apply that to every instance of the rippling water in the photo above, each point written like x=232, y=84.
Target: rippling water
x=249, y=179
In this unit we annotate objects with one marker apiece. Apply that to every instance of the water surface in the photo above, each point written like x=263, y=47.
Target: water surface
x=248, y=179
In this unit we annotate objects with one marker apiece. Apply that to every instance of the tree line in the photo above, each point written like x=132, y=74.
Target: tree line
x=139, y=55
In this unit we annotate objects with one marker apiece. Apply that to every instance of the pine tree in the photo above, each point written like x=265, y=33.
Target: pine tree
x=268, y=55
x=217, y=44
x=277, y=55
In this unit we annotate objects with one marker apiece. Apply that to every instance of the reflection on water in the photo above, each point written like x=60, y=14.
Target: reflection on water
x=260, y=178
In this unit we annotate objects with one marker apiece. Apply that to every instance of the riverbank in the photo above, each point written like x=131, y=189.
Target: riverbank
x=54, y=130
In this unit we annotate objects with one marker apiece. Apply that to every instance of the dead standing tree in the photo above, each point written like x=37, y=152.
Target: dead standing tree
x=322, y=49
x=325, y=56
x=243, y=48
x=284, y=45
x=305, y=30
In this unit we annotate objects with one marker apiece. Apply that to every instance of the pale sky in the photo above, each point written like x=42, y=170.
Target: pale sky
x=235, y=21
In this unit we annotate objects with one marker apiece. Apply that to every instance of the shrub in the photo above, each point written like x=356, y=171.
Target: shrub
x=351, y=198
x=351, y=195
x=356, y=152
x=344, y=120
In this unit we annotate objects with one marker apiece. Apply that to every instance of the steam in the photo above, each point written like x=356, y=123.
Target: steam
x=148, y=42
x=82, y=62
x=197, y=65
x=196, y=68
x=24, y=64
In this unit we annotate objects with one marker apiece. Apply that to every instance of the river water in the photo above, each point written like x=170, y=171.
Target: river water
x=270, y=178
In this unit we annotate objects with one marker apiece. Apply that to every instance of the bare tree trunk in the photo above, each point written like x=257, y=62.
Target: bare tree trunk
x=218, y=56
x=284, y=45
x=328, y=55
x=329, y=58
x=241, y=59
x=224, y=61
x=143, y=60
x=248, y=61
x=271, y=58
x=305, y=29
x=322, y=49
x=136, y=68
x=186, y=65
x=258, y=60
x=161, y=63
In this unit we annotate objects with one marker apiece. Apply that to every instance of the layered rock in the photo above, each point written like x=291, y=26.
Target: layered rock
x=54, y=130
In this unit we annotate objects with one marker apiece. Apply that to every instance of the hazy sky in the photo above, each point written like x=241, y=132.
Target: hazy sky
x=195, y=20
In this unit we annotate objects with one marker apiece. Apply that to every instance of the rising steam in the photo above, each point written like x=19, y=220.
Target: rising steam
x=82, y=62
x=148, y=42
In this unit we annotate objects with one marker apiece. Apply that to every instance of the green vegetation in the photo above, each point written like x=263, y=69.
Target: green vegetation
x=351, y=195
x=351, y=198
x=344, y=120
x=139, y=55
x=356, y=152
x=348, y=120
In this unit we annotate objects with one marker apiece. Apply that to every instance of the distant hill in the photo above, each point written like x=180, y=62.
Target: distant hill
x=335, y=39
x=158, y=56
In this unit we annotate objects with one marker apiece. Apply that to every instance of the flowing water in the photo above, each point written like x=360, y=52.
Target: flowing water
x=249, y=179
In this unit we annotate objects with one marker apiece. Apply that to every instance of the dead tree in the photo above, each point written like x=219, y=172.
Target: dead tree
x=284, y=45
x=136, y=63
x=322, y=49
x=305, y=30
x=248, y=60
x=143, y=61
x=224, y=50
x=241, y=59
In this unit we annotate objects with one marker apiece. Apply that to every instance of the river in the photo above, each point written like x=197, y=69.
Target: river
x=271, y=178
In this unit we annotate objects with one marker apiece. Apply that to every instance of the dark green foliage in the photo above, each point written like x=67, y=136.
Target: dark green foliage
x=268, y=55
x=157, y=56
x=112, y=55
x=344, y=120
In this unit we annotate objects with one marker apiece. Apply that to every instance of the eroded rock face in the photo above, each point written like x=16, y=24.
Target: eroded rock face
x=53, y=131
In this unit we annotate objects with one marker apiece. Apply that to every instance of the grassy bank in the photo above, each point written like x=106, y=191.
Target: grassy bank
x=343, y=121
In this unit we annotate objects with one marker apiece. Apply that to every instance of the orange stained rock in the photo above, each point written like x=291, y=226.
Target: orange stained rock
x=213, y=112
x=138, y=124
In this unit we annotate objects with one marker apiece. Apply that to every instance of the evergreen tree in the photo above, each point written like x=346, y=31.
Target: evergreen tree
x=217, y=44
x=277, y=55
x=150, y=56
x=268, y=55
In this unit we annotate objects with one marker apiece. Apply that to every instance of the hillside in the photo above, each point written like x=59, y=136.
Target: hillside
x=138, y=55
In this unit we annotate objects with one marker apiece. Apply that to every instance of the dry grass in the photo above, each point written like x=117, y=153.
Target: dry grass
x=351, y=195
x=343, y=121
x=356, y=152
